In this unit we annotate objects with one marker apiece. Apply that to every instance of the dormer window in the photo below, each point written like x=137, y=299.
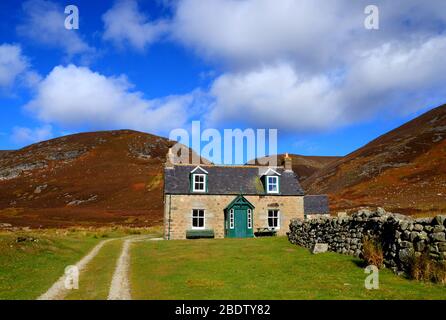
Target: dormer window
x=271, y=180
x=272, y=184
x=199, y=182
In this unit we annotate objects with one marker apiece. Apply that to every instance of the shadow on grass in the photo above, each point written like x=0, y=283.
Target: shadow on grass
x=363, y=264
x=359, y=263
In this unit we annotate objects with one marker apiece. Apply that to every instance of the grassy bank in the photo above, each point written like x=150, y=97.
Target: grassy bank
x=269, y=268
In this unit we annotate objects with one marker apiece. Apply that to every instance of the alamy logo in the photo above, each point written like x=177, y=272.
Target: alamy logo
x=236, y=146
x=72, y=18
x=71, y=278
x=371, y=282
x=371, y=22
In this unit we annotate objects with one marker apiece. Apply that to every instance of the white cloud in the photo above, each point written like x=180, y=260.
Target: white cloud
x=43, y=23
x=313, y=34
x=15, y=69
x=78, y=97
x=311, y=64
x=12, y=64
x=298, y=65
x=258, y=31
x=23, y=135
x=124, y=24
x=406, y=65
x=390, y=76
x=275, y=96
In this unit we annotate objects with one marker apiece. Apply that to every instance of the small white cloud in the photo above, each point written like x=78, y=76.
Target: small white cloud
x=43, y=23
x=78, y=97
x=12, y=64
x=15, y=69
x=125, y=24
x=23, y=135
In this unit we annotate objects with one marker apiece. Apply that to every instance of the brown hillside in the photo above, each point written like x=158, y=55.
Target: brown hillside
x=84, y=179
x=403, y=170
x=305, y=166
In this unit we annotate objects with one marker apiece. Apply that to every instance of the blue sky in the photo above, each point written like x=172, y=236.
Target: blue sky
x=307, y=68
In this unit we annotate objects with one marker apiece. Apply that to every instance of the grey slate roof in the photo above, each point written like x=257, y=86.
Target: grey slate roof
x=316, y=204
x=229, y=180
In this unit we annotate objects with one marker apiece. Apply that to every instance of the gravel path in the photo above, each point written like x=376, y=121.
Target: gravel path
x=120, y=285
x=58, y=290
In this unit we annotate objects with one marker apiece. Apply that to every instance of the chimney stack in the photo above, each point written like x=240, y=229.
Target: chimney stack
x=169, y=160
x=288, y=163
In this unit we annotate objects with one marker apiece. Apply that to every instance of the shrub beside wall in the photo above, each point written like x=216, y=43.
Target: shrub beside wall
x=402, y=238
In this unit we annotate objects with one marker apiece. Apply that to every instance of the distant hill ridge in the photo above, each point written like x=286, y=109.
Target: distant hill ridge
x=403, y=170
x=87, y=178
x=303, y=166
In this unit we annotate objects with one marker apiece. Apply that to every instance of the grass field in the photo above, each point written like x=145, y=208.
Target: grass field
x=269, y=268
x=29, y=268
x=94, y=283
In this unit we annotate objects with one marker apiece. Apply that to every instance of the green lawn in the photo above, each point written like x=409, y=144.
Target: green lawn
x=269, y=268
x=28, y=269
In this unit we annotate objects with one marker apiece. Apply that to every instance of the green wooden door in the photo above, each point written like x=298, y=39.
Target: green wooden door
x=239, y=219
x=241, y=223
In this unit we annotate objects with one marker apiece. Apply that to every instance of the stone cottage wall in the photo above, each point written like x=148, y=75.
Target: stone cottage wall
x=179, y=208
x=401, y=236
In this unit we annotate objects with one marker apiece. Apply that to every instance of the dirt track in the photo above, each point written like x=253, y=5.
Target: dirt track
x=120, y=286
x=58, y=290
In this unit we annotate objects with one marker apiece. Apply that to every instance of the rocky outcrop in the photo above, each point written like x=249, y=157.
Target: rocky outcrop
x=13, y=171
x=401, y=237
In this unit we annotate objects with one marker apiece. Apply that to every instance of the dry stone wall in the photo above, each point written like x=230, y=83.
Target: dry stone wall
x=401, y=237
